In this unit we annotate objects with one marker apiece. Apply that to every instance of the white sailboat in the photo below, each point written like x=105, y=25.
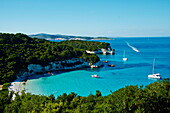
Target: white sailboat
x=154, y=75
x=124, y=58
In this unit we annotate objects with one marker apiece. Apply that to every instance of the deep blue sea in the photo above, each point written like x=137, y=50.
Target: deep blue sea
x=132, y=72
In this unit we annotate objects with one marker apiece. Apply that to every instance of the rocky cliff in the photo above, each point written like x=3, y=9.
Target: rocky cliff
x=74, y=63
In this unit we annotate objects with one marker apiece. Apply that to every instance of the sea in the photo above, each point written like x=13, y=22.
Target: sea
x=140, y=53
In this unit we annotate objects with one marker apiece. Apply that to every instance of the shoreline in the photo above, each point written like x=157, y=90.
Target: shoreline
x=16, y=86
x=102, y=39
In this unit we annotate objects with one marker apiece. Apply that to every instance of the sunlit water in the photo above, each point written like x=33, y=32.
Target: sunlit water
x=132, y=72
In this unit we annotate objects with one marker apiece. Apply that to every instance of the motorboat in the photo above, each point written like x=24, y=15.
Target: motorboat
x=154, y=75
x=94, y=66
x=95, y=75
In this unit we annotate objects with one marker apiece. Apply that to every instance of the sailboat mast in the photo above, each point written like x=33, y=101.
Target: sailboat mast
x=153, y=66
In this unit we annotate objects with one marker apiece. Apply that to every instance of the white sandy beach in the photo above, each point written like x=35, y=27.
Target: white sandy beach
x=16, y=87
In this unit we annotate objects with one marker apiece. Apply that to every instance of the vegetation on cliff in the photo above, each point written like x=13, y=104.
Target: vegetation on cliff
x=131, y=99
x=88, y=45
x=17, y=51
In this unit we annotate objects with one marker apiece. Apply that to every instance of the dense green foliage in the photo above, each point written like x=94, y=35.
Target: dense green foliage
x=86, y=44
x=17, y=51
x=154, y=98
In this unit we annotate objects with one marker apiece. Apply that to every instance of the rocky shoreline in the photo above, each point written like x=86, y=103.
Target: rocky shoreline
x=74, y=63
x=36, y=69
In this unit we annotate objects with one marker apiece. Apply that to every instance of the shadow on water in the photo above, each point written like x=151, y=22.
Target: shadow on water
x=53, y=73
x=118, y=66
x=155, y=79
x=162, y=66
x=113, y=73
x=168, y=68
x=98, y=77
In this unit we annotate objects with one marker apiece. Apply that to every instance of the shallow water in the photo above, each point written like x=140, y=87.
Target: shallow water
x=132, y=72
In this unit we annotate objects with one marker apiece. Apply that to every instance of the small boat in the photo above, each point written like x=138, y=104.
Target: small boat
x=154, y=75
x=94, y=66
x=105, y=61
x=96, y=76
x=124, y=58
x=111, y=65
x=50, y=73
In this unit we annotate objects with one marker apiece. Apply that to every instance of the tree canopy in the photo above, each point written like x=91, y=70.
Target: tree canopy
x=17, y=51
x=131, y=99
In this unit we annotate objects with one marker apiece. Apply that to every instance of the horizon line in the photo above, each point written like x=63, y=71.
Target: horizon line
x=86, y=35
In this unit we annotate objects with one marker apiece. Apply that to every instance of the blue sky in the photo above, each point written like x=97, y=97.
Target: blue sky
x=114, y=18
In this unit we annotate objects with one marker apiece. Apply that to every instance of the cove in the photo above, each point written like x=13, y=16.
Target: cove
x=132, y=72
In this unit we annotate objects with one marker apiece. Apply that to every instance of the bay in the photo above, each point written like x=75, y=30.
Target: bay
x=132, y=72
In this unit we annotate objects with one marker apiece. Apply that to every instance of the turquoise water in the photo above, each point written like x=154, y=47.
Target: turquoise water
x=132, y=72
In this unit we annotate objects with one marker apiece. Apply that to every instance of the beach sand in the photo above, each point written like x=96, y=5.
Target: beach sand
x=16, y=87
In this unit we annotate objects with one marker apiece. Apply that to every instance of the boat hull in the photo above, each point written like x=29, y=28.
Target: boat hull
x=95, y=76
x=157, y=75
x=125, y=59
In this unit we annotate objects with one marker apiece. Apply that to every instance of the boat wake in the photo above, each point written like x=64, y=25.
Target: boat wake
x=135, y=49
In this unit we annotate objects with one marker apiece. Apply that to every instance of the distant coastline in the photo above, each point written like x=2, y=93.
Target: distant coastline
x=77, y=39
x=67, y=37
x=102, y=39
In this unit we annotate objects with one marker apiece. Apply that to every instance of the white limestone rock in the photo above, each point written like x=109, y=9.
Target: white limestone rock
x=53, y=66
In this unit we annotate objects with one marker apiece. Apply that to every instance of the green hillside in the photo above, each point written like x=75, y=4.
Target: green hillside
x=17, y=51
x=154, y=98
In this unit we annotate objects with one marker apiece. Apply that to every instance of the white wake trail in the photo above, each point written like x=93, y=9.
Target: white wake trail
x=135, y=49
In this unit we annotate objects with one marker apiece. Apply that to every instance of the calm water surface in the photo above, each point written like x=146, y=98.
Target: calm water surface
x=132, y=72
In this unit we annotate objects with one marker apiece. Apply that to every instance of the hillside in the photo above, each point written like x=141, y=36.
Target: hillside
x=65, y=37
x=17, y=51
x=154, y=98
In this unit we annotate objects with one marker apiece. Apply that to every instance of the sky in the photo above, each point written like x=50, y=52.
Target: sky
x=112, y=18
